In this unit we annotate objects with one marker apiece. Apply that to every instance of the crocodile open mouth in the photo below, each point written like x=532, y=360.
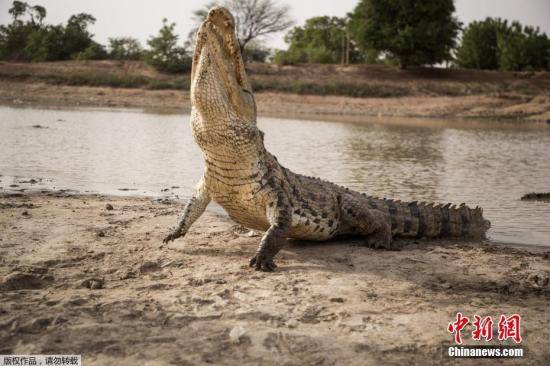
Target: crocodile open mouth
x=217, y=37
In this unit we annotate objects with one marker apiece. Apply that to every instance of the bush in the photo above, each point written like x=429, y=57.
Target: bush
x=94, y=51
x=76, y=38
x=13, y=39
x=164, y=54
x=321, y=40
x=34, y=41
x=493, y=44
x=256, y=53
x=125, y=48
x=523, y=49
x=46, y=44
x=478, y=49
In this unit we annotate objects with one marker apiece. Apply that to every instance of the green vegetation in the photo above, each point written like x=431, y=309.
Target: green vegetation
x=411, y=32
x=33, y=41
x=99, y=79
x=321, y=40
x=395, y=32
x=493, y=44
x=125, y=48
x=164, y=54
x=332, y=88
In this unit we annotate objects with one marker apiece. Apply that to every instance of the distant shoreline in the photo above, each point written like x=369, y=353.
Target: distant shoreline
x=325, y=92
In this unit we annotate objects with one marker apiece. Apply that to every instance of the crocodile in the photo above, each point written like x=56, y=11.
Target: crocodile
x=259, y=193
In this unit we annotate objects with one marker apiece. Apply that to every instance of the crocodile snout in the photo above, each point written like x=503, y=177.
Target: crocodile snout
x=221, y=17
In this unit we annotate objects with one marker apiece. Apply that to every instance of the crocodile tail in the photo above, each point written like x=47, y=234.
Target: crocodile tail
x=413, y=219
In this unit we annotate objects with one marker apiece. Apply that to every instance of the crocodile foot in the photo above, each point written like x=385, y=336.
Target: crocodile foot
x=172, y=236
x=382, y=240
x=262, y=262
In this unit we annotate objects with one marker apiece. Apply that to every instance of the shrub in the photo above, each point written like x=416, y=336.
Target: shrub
x=164, y=54
x=493, y=44
x=46, y=44
x=255, y=52
x=94, y=51
x=321, y=40
x=478, y=49
x=125, y=48
x=32, y=40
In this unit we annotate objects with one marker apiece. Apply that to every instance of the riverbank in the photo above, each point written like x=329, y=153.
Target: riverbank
x=88, y=274
x=326, y=91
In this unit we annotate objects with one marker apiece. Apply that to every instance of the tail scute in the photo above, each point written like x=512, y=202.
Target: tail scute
x=413, y=219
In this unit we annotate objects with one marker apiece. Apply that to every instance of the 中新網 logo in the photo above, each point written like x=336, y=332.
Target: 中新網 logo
x=508, y=328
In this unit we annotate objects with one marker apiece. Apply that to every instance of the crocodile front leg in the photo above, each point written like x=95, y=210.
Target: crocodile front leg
x=278, y=214
x=192, y=211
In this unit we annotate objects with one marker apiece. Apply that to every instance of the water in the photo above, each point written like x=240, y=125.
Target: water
x=104, y=151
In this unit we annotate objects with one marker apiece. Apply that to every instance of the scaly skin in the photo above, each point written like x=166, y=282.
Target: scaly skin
x=259, y=193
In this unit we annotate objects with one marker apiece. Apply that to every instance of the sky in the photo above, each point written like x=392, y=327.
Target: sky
x=141, y=19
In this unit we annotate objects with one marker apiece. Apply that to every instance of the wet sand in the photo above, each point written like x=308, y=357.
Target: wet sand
x=78, y=277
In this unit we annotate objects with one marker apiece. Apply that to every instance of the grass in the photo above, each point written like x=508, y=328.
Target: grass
x=361, y=90
x=182, y=83
x=351, y=89
x=99, y=80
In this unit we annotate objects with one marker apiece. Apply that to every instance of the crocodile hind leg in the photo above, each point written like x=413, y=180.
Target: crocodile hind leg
x=373, y=224
x=278, y=214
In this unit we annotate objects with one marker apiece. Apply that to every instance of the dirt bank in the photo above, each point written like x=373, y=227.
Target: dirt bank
x=511, y=108
x=328, y=91
x=77, y=276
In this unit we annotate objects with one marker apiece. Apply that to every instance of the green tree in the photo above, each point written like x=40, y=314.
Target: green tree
x=414, y=32
x=164, y=53
x=94, y=51
x=20, y=8
x=73, y=41
x=46, y=44
x=255, y=52
x=479, y=49
x=14, y=36
x=32, y=40
x=77, y=37
x=125, y=48
x=522, y=48
x=321, y=40
x=494, y=44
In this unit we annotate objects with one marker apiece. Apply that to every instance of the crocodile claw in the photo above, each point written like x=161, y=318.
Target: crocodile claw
x=171, y=237
x=375, y=243
x=261, y=263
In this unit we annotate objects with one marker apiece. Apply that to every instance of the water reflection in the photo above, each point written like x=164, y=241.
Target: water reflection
x=390, y=151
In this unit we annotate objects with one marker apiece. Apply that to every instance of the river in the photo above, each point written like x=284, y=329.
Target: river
x=131, y=152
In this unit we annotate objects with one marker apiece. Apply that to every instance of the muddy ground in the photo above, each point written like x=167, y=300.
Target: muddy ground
x=89, y=275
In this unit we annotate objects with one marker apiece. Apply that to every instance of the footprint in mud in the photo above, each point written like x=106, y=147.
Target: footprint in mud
x=35, y=326
x=25, y=281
